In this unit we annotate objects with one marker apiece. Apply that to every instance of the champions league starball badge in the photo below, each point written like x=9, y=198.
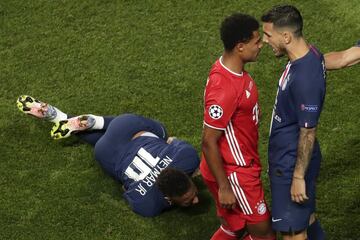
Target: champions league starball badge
x=215, y=111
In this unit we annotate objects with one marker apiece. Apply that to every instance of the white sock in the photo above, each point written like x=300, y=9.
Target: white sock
x=99, y=122
x=58, y=116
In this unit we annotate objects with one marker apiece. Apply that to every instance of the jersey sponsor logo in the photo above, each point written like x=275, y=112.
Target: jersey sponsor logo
x=261, y=207
x=247, y=93
x=215, y=112
x=309, y=108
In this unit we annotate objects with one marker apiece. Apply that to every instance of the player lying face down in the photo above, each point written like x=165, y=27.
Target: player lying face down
x=153, y=168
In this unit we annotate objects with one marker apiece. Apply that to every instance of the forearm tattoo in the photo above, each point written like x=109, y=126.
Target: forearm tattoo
x=304, y=152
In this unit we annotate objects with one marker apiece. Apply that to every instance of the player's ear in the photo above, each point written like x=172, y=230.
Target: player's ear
x=169, y=200
x=239, y=47
x=287, y=36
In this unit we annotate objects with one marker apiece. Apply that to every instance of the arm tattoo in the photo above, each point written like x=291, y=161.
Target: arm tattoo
x=304, y=152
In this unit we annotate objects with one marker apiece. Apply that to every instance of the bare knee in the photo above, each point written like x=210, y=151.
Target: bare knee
x=261, y=230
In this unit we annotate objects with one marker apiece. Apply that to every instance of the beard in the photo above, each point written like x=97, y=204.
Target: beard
x=279, y=52
x=279, y=55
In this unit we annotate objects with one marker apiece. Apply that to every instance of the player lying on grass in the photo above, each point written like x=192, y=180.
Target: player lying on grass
x=342, y=59
x=154, y=169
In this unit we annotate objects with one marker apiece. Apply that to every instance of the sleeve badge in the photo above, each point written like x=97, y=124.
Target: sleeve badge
x=215, y=112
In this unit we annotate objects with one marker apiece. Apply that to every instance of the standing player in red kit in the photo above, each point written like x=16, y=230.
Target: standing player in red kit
x=230, y=166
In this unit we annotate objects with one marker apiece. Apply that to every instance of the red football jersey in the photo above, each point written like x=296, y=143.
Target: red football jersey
x=231, y=105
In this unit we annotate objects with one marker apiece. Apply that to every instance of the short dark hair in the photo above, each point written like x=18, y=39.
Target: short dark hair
x=285, y=16
x=173, y=182
x=237, y=28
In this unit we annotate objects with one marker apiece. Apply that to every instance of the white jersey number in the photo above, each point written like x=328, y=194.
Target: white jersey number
x=139, y=168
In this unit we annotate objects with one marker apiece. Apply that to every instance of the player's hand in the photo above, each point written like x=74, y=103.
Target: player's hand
x=298, y=190
x=196, y=173
x=227, y=198
x=170, y=139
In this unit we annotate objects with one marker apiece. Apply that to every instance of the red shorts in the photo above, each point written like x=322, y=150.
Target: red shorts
x=251, y=207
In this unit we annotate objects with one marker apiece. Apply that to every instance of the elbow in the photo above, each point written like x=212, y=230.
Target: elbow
x=206, y=145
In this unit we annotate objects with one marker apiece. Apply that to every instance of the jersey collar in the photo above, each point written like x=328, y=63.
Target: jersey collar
x=227, y=69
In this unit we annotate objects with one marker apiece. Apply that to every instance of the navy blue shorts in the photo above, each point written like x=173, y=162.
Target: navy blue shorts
x=289, y=216
x=119, y=133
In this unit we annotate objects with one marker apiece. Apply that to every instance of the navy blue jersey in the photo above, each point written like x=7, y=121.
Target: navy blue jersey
x=140, y=166
x=298, y=105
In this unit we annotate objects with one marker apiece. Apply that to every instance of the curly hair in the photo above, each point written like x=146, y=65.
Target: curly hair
x=237, y=28
x=173, y=182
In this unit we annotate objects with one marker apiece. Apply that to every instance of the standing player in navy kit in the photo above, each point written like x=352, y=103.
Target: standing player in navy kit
x=135, y=150
x=294, y=152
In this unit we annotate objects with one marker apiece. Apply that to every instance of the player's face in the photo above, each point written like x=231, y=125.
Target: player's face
x=251, y=50
x=188, y=199
x=274, y=38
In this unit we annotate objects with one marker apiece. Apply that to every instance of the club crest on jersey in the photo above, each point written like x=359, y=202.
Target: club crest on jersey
x=215, y=111
x=261, y=207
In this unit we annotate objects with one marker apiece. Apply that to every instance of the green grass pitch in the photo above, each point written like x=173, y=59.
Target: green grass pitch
x=152, y=58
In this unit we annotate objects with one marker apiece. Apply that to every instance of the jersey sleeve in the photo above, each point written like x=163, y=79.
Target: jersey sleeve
x=219, y=102
x=308, y=92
